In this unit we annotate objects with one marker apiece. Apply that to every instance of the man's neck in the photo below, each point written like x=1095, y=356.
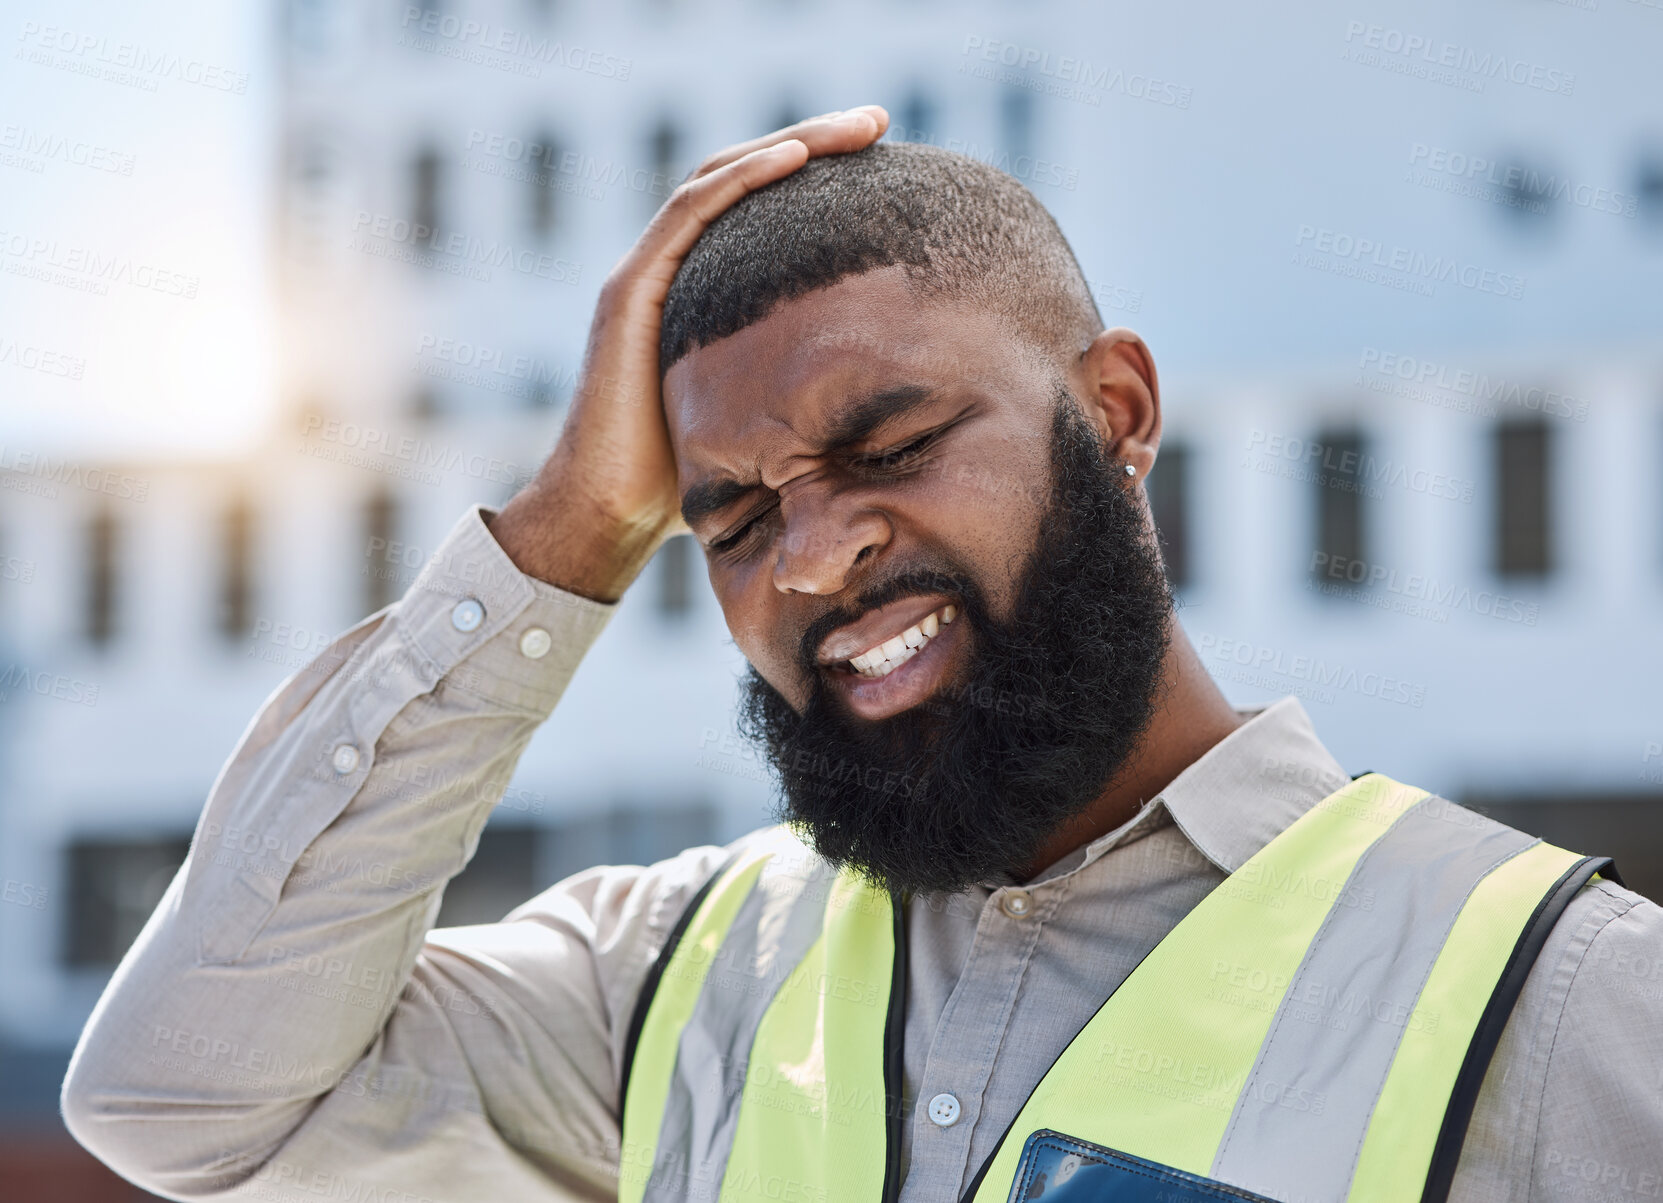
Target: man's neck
x=1191, y=716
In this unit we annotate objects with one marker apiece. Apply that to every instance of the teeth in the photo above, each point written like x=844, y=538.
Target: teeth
x=892, y=653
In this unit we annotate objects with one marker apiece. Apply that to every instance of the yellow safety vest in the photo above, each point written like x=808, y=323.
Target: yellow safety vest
x=1316, y=1029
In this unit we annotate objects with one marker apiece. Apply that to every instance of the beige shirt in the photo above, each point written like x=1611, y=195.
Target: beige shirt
x=288, y=1027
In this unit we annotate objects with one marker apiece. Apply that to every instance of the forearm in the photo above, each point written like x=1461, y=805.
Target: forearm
x=285, y=941
x=560, y=537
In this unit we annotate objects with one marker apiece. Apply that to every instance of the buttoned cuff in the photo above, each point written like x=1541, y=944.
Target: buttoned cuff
x=489, y=629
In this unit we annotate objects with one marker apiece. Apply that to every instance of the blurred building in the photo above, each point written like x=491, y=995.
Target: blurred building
x=1446, y=537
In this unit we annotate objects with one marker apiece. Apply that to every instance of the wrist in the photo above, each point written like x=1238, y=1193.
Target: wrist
x=574, y=544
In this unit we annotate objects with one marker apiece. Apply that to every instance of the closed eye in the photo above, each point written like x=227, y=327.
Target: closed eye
x=734, y=538
x=897, y=457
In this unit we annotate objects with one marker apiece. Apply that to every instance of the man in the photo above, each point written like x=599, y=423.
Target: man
x=1050, y=920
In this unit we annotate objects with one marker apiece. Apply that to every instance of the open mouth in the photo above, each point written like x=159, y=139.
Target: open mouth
x=884, y=658
x=896, y=656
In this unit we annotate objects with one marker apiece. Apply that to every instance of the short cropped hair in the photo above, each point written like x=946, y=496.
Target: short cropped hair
x=961, y=228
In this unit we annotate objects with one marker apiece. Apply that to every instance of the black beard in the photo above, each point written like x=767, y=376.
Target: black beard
x=972, y=783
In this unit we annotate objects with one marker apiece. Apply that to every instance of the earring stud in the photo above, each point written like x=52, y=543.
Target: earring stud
x=1131, y=471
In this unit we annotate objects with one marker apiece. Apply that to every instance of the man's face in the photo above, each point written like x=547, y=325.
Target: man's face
x=922, y=554
x=820, y=525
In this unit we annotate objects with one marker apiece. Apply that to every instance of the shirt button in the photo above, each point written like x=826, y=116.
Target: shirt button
x=467, y=615
x=345, y=759
x=535, y=643
x=944, y=1110
x=1017, y=903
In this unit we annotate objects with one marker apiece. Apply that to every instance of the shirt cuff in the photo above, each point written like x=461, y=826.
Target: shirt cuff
x=489, y=629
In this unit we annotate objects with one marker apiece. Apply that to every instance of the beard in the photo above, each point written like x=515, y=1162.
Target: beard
x=973, y=782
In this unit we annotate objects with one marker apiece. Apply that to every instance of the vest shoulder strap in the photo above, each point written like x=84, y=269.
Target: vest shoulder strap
x=655, y=972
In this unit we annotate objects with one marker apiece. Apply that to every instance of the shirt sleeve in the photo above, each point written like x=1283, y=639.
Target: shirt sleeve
x=288, y=1026
x=1571, y=1110
x=1600, y=1131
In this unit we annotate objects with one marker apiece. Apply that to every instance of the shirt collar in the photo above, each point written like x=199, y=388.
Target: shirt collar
x=1241, y=793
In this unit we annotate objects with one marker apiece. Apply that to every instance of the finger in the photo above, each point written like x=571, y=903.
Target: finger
x=697, y=203
x=827, y=134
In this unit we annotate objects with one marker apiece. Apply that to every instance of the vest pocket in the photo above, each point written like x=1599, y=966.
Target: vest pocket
x=1064, y=1169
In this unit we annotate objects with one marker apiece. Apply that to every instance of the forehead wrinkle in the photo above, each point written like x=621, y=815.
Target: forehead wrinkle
x=714, y=493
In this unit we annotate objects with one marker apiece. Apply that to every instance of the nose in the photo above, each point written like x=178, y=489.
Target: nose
x=823, y=537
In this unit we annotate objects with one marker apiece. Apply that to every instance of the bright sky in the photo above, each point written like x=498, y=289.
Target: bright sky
x=135, y=152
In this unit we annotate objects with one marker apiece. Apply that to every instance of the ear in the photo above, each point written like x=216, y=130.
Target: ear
x=1123, y=396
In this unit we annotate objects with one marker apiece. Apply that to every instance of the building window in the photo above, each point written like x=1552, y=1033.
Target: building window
x=102, y=536
x=1016, y=126
x=917, y=118
x=1341, y=519
x=1523, y=530
x=424, y=205
x=787, y=114
x=308, y=201
x=114, y=885
x=425, y=405
x=545, y=183
x=501, y=875
x=664, y=148
x=627, y=835
x=236, y=594
x=1168, y=486
x=514, y=863
x=1529, y=189
x=380, y=529
x=675, y=576
x=1648, y=186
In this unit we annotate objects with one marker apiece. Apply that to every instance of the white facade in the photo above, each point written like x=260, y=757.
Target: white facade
x=1216, y=177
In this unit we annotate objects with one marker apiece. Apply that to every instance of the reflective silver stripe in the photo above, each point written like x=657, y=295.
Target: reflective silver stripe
x=775, y=926
x=1299, y=1122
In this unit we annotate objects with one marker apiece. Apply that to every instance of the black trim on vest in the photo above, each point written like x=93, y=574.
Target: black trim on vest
x=894, y=1031
x=1463, y=1097
x=649, y=987
x=976, y=1183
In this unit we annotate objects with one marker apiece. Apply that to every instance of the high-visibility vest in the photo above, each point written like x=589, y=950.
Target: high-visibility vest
x=1316, y=1029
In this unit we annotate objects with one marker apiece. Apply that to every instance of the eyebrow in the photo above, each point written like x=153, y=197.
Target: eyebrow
x=856, y=421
